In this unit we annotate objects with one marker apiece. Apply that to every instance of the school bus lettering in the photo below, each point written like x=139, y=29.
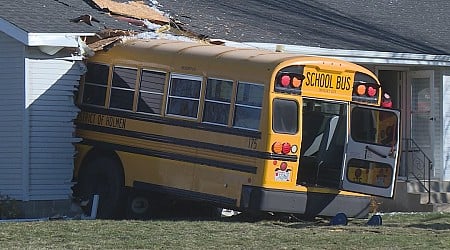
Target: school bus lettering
x=115, y=122
x=321, y=80
x=102, y=120
x=343, y=82
x=88, y=118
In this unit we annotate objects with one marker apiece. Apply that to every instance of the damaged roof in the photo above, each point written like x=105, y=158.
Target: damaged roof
x=57, y=16
x=386, y=25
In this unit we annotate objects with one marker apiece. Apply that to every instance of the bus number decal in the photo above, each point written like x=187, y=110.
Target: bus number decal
x=252, y=143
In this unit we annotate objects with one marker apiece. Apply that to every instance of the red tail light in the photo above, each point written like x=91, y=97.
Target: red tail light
x=286, y=148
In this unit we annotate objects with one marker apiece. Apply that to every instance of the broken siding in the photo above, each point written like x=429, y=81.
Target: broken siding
x=11, y=113
x=51, y=110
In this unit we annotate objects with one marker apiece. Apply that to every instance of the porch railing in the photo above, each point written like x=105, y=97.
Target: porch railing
x=418, y=164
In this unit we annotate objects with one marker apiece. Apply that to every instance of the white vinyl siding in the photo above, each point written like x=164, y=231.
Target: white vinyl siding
x=445, y=125
x=51, y=109
x=437, y=130
x=11, y=113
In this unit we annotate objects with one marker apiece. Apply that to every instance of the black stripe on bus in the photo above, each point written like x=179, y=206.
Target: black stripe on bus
x=185, y=193
x=188, y=143
x=173, y=122
x=172, y=156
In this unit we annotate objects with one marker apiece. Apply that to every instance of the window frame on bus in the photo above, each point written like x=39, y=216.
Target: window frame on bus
x=277, y=119
x=97, y=85
x=237, y=105
x=207, y=102
x=171, y=97
x=154, y=93
x=123, y=88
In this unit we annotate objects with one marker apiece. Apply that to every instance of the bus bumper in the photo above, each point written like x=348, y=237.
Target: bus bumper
x=308, y=203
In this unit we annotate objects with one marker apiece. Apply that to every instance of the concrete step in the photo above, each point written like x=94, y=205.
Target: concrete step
x=410, y=196
x=414, y=186
x=435, y=197
x=441, y=207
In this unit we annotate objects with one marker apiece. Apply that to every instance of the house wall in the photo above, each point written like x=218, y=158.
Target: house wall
x=438, y=105
x=11, y=116
x=444, y=77
x=51, y=82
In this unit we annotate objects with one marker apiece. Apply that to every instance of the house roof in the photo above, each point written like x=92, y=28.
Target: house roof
x=53, y=16
x=401, y=26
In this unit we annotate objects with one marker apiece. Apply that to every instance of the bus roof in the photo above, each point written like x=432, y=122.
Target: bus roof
x=198, y=58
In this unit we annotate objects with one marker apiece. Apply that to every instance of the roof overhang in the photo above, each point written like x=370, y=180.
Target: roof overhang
x=360, y=56
x=41, y=39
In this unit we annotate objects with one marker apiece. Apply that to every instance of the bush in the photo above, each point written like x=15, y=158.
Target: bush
x=9, y=207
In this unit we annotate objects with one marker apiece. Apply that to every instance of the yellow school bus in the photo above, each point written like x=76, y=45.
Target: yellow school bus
x=238, y=128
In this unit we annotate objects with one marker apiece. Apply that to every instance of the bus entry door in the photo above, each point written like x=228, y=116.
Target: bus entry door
x=372, y=151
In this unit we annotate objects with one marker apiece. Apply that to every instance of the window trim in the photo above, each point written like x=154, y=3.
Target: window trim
x=106, y=85
x=184, y=77
x=139, y=91
x=123, y=89
x=230, y=103
x=275, y=99
x=237, y=104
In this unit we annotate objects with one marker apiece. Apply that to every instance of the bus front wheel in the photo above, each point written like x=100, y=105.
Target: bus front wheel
x=102, y=176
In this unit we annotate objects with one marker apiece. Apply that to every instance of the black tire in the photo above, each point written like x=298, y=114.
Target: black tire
x=102, y=176
x=139, y=206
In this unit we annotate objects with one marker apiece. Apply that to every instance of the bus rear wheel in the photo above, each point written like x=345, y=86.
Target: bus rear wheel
x=102, y=176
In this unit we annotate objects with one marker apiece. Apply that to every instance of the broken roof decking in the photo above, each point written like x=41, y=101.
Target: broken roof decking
x=394, y=26
x=136, y=9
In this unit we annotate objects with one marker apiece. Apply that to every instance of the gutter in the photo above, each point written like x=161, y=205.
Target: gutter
x=358, y=56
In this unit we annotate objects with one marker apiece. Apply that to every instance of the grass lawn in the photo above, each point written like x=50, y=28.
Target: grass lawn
x=399, y=231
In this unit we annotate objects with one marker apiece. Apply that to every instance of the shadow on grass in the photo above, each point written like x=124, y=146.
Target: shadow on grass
x=433, y=226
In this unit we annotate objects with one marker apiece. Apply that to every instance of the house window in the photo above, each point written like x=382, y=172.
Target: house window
x=95, y=83
x=122, y=89
x=151, y=92
x=217, y=101
x=184, y=95
x=247, y=111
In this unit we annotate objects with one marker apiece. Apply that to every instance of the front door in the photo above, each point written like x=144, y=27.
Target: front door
x=371, y=156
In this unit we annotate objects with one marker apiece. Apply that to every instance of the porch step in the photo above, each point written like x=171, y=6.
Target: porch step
x=435, y=186
x=412, y=197
x=434, y=198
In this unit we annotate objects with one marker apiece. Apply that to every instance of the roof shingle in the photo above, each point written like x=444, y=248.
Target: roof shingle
x=385, y=25
x=53, y=16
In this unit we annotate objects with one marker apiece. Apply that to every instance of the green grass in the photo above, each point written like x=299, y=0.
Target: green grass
x=399, y=231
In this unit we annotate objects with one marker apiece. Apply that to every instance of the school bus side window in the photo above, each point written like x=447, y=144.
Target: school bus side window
x=95, y=83
x=122, y=89
x=184, y=95
x=151, y=92
x=217, y=101
x=247, y=112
